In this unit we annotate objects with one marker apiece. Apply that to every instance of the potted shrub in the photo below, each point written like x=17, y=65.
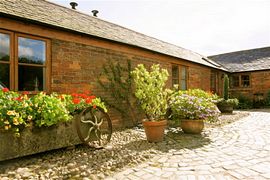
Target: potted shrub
x=152, y=96
x=226, y=105
x=192, y=111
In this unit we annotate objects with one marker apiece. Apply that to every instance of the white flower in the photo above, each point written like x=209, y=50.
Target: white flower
x=11, y=113
x=29, y=117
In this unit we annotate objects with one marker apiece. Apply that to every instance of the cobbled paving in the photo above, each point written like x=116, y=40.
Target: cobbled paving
x=240, y=150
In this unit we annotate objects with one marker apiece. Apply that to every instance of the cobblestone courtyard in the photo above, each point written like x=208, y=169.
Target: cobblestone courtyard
x=240, y=150
x=237, y=151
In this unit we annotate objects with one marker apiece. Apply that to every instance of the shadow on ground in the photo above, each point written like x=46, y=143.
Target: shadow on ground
x=174, y=139
x=128, y=148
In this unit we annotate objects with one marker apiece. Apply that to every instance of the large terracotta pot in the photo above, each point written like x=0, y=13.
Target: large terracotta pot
x=192, y=126
x=154, y=130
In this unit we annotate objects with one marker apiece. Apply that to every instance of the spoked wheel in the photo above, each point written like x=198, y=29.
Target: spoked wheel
x=94, y=127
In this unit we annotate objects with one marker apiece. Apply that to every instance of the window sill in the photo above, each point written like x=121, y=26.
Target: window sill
x=240, y=88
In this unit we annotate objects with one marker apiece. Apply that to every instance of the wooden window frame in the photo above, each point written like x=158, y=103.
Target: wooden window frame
x=240, y=80
x=14, y=64
x=11, y=58
x=214, y=74
x=179, y=78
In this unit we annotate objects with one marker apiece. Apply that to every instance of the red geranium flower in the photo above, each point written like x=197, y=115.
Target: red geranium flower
x=84, y=96
x=5, y=89
x=19, y=98
x=76, y=100
x=88, y=100
x=94, y=106
x=92, y=97
x=74, y=95
x=25, y=92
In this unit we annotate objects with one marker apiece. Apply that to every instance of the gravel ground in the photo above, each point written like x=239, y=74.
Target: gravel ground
x=225, y=119
x=127, y=148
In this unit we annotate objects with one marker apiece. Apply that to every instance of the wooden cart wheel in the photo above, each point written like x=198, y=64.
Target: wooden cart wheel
x=94, y=127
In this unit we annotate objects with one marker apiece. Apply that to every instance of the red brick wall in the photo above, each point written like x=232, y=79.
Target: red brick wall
x=260, y=83
x=199, y=77
x=76, y=67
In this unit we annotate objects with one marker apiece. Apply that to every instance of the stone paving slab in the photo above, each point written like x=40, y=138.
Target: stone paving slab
x=240, y=150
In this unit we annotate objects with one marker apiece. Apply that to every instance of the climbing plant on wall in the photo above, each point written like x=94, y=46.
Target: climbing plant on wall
x=116, y=81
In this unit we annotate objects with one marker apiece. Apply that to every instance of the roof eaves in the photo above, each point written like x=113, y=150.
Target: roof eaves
x=207, y=62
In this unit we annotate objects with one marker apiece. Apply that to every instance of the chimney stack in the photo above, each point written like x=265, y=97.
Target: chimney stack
x=95, y=13
x=73, y=5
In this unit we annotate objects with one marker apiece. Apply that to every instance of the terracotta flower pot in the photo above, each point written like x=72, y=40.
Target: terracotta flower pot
x=154, y=130
x=192, y=126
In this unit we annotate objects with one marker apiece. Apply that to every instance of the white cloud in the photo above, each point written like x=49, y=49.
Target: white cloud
x=4, y=44
x=25, y=51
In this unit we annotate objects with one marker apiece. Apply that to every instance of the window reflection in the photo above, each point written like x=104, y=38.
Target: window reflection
x=4, y=47
x=245, y=80
x=184, y=73
x=175, y=75
x=183, y=78
x=31, y=78
x=31, y=51
x=235, y=81
x=4, y=75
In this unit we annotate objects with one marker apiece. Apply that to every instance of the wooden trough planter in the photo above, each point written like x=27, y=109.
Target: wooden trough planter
x=36, y=140
x=92, y=127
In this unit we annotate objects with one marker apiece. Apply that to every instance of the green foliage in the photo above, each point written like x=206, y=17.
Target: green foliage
x=79, y=101
x=226, y=87
x=15, y=111
x=244, y=102
x=48, y=110
x=119, y=86
x=18, y=111
x=193, y=104
x=150, y=90
x=233, y=102
x=268, y=98
x=225, y=100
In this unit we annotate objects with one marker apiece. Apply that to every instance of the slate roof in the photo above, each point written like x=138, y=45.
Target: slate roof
x=48, y=13
x=247, y=60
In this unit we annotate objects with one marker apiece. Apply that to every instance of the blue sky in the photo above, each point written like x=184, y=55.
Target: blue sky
x=31, y=48
x=205, y=26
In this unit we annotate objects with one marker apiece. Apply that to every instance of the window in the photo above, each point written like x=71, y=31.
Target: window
x=24, y=62
x=5, y=59
x=242, y=80
x=179, y=76
x=175, y=75
x=183, y=85
x=235, y=81
x=245, y=80
x=213, y=81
